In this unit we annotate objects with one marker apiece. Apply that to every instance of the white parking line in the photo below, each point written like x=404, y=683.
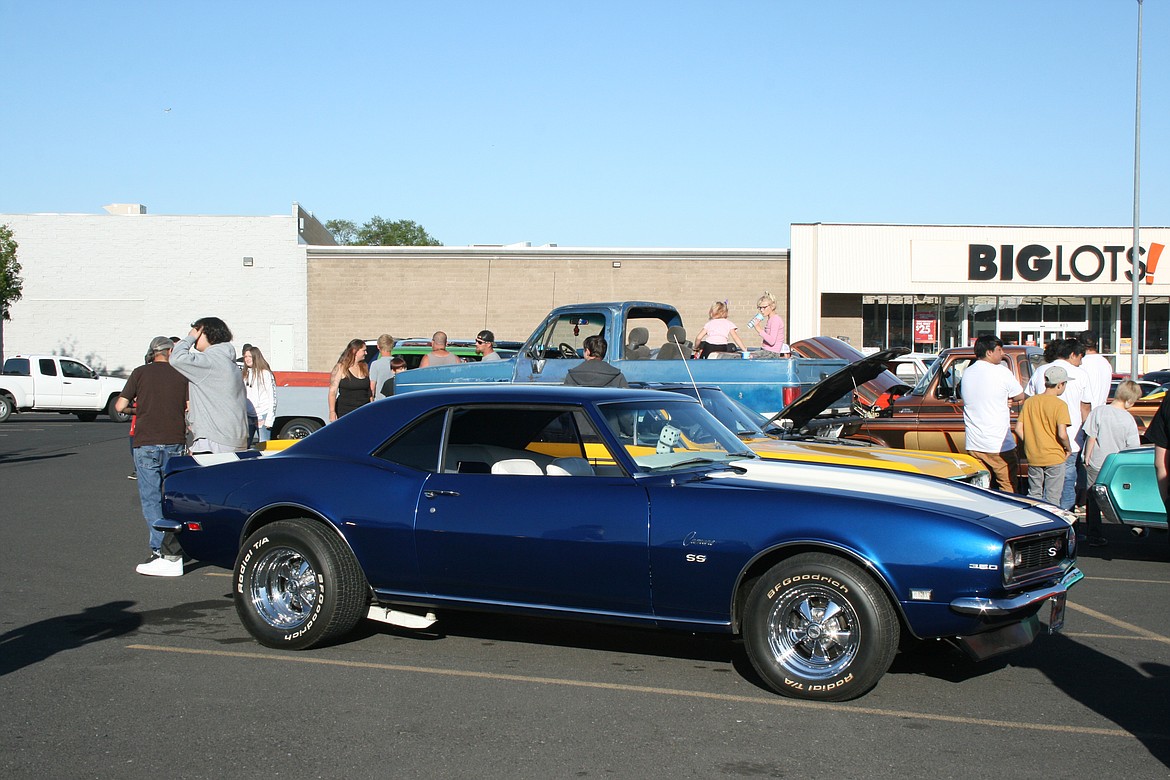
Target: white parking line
x=1122, y=579
x=1144, y=633
x=775, y=701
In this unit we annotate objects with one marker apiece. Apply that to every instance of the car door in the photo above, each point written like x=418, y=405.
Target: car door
x=79, y=386
x=940, y=416
x=47, y=384
x=562, y=542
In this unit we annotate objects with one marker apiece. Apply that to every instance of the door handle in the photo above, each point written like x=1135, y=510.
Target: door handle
x=433, y=493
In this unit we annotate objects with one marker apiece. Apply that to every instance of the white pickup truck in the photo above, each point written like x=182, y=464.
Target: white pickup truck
x=51, y=383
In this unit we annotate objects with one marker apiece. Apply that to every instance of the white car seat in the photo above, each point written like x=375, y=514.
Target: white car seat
x=569, y=467
x=516, y=466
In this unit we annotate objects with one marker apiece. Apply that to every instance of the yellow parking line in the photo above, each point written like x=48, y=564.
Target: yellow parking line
x=1087, y=635
x=1120, y=623
x=775, y=701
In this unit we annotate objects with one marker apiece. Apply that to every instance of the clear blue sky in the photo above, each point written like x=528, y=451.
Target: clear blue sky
x=589, y=123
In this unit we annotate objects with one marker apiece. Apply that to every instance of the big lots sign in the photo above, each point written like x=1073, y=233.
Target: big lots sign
x=1039, y=263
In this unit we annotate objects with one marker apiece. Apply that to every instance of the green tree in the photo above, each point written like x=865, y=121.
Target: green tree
x=11, y=284
x=343, y=230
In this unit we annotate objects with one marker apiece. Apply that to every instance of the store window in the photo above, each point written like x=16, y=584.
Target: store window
x=1153, y=319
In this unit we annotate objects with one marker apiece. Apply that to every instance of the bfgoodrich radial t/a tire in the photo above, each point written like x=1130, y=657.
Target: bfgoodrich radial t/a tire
x=297, y=585
x=818, y=627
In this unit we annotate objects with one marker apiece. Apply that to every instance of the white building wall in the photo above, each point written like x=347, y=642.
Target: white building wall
x=99, y=287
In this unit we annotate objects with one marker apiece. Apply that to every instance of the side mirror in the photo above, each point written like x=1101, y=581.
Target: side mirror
x=944, y=392
x=537, y=365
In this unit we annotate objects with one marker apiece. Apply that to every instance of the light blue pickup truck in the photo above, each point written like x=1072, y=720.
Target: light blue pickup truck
x=633, y=330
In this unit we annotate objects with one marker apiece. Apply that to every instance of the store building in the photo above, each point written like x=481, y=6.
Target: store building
x=99, y=286
x=929, y=287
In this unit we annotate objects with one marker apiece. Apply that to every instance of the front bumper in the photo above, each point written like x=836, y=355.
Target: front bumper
x=972, y=605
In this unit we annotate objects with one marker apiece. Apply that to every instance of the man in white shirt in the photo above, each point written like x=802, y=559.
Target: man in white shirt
x=1078, y=397
x=1097, y=367
x=988, y=389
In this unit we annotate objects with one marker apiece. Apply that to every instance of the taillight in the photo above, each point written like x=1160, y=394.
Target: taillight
x=791, y=394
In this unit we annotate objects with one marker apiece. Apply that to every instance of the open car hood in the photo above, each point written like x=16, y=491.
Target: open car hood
x=822, y=395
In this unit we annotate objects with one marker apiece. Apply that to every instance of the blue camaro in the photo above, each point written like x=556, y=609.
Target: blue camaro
x=634, y=506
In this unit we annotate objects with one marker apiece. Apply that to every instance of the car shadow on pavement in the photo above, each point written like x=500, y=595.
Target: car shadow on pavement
x=1125, y=546
x=35, y=642
x=6, y=459
x=1133, y=699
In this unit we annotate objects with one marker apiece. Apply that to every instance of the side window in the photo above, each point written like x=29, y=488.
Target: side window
x=950, y=380
x=75, y=370
x=1028, y=365
x=16, y=367
x=533, y=440
x=418, y=446
x=48, y=367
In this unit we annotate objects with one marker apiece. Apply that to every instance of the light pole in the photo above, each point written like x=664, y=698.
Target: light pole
x=1137, y=157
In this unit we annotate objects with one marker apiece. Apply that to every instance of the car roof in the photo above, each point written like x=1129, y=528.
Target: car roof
x=367, y=427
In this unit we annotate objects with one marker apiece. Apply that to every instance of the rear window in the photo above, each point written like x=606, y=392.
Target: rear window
x=16, y=367
x=48, y=367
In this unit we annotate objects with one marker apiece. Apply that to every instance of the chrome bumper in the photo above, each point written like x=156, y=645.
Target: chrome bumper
x=1108, y=511
x=971, y=605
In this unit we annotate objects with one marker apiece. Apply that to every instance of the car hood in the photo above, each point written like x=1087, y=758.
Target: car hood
x=822, y=395
x=936, y=464
x=998, y=512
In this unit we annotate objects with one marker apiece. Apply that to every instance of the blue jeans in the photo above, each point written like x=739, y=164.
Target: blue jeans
x=257, y=432
x=1068, y=496
x=150, y=462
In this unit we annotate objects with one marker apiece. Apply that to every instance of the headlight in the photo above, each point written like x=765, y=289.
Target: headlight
x=1070, y=544
x=1010, y=559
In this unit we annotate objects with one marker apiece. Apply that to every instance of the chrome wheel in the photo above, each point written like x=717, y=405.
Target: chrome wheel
x=813, y=632
x=284, y=588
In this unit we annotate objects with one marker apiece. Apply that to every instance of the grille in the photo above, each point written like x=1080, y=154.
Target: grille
x=1039, y=553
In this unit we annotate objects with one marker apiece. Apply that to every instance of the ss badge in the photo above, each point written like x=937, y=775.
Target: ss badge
x=692, y=558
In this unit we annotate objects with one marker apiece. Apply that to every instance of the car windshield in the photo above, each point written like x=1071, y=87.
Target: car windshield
x=924, y=381
x=663, y=436
x=737, y=418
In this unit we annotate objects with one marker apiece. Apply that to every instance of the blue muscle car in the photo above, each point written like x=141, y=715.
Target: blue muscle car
x=633, y=506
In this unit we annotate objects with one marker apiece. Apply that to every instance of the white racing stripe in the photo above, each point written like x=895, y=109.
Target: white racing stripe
x=214, y=458
x=887, y=484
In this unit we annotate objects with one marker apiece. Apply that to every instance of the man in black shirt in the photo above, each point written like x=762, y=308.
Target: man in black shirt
x=1158, y=434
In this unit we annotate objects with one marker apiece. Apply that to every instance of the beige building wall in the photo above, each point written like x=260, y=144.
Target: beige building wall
x=841, y=317
x=362, y=292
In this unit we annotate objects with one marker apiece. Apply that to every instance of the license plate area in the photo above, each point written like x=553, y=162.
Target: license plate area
x=1056, y=612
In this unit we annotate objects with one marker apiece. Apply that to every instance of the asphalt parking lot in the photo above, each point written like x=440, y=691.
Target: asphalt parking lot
x=107, y=673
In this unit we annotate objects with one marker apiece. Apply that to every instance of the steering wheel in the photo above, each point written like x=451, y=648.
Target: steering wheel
x=567, y=351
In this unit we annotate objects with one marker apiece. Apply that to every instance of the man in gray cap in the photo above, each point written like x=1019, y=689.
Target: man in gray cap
x=158, y=395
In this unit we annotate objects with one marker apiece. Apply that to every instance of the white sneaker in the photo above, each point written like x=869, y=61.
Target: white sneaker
x=161, y=567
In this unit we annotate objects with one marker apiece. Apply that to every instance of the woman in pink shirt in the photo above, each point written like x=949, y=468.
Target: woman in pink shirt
x=718, y=334
x=770, y=326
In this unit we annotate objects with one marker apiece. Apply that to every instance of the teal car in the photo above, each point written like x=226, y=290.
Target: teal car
x=1127, y=490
